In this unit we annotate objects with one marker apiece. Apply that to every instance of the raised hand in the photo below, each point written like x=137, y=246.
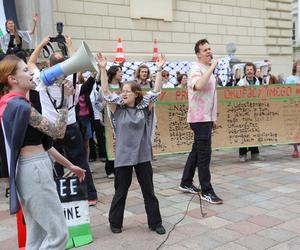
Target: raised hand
x=160, y=61
x=101, y=60
x=45, y=41
x=35, y=17
x=68, y=40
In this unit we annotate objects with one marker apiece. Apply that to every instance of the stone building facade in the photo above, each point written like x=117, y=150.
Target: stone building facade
x=260, y=28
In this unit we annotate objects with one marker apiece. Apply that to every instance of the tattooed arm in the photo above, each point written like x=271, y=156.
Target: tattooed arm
x=41, y=123
x=58, y=129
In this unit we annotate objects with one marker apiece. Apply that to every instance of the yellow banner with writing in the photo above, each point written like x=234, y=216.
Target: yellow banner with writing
x=247, y=116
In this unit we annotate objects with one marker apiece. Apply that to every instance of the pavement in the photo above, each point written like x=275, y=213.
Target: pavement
x=261, y=207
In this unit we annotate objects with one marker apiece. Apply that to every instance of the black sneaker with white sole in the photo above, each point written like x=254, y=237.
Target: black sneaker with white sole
x=189, y=189
x=211, y=197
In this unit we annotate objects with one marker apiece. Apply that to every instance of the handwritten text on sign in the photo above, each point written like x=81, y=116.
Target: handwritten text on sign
x=247, y=116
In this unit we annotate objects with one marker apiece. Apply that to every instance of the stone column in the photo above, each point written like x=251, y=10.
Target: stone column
x=25, y=12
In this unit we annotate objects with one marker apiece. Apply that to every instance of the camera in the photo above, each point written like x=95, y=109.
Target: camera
x=59, y=38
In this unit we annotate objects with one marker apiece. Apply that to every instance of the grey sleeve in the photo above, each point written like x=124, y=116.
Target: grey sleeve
x=114, y=99
x=148, y=98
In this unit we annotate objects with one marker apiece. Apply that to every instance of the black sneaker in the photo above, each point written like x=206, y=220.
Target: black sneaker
x=211, y=197
x=189, y=189
x=115, y=230
x=159, y=229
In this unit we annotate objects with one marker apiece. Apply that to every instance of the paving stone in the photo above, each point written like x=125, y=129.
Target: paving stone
x=168, y=211
x=283, y=214
x=266, y=193
x=254, y=198
x=244, y=227
x=284, y=190
x=277, y=234
x=201, y=242
x=231, y=246
x=252, y=210
x=196, y=213
x=292, y=225
x=269, y=204
x=256, y=242
x=223, y=235
x=214, y=222
x=265, y=220
x=234, y=216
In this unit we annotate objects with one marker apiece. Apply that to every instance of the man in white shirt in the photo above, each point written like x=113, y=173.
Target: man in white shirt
x=71, y=146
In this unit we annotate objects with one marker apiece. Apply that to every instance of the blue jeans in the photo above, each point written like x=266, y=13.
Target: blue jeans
x=199, y=157
x=71, y=146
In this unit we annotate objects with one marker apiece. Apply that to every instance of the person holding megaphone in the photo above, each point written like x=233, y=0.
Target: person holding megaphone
x=71, y=145
x=25, y=144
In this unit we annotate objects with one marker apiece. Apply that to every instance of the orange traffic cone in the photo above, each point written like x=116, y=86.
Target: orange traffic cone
x=155, y=51
x=120, y=54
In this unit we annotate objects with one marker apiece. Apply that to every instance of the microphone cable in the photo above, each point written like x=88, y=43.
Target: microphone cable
x=183, y=217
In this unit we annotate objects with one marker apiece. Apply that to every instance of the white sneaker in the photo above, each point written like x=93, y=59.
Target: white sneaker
x=111, y=176
x=243, y=158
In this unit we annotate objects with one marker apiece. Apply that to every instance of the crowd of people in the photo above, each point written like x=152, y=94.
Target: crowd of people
x=69, y=127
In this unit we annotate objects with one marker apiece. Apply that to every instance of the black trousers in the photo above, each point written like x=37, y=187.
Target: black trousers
x=253, y=150
x=199, y=157
x=109, y=167
x=100, y=136
x=71, y=146
x=123, y=180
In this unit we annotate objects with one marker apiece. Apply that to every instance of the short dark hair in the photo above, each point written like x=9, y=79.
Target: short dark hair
x=112, y=71
x=179, y=77
x=200, y=42
x=249, y=64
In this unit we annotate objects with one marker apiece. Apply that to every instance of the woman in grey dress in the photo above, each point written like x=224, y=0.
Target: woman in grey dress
x=132, y=115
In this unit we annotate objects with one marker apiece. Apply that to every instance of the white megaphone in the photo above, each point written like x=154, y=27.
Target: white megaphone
x=82, y=60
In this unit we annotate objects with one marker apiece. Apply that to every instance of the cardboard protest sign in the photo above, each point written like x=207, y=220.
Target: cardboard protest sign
x=247, y=116
x=73, y=196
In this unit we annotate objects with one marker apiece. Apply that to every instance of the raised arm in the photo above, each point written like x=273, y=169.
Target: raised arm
x=158, y=80
x=203, y=80
x=69, y=45
x=35, y=18
x=102, y=61
x=35, y=54
x=58, y=129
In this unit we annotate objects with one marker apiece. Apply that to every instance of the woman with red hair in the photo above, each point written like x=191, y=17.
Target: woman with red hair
x=25, y=144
